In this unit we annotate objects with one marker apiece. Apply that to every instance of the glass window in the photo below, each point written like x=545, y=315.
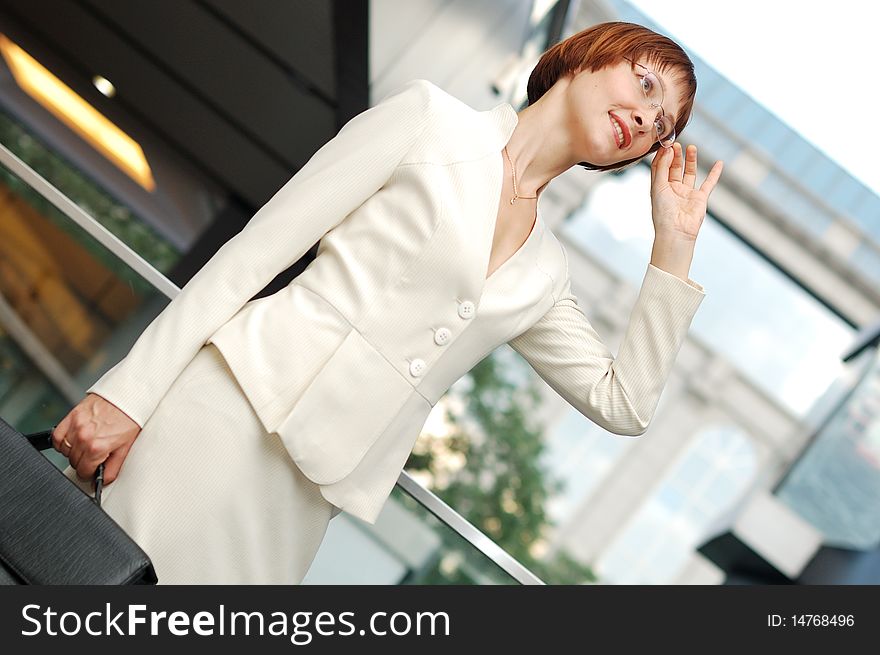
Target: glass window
x=806, y=212
x=762, y=322
x=794, y=154
x=726, y=102
x=844, y=193
x=868, y=214
x=746, y=120
x=836, y=483
x=770, y=135
x=710, y=82
x=818, y=175
x=407, y=545
x=77, y=185
x=672, y=498
x=75, y=309
x=714, y=141
x=866, y=260
x=797, y=206
x=580, y=454
x=483, y=451
x=710, y=477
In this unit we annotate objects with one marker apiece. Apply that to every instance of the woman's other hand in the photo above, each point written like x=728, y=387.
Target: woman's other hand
x=95, y=431
x=677, y=207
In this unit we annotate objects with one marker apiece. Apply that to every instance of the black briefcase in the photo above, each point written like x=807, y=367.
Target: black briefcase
x=51, y=532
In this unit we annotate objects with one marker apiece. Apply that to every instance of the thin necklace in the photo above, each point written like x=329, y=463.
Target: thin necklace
x=513, y=175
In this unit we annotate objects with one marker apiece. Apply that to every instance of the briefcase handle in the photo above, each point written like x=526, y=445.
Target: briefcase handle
x=43, y=441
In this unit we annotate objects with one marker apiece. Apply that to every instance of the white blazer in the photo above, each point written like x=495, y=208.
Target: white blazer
x=346, y=362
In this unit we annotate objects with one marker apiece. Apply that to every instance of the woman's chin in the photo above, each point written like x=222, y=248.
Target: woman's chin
x=612, y=156
x=616, y=160
x=628, y=156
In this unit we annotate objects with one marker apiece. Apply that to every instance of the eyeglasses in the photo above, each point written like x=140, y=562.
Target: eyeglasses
x=653, y=92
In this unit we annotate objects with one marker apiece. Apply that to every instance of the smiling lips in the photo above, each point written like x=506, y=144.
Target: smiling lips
x=622, y=136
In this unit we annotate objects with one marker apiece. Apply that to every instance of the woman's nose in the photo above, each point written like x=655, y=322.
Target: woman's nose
x=641, y=119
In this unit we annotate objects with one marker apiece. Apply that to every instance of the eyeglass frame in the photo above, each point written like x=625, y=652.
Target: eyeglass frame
x=655, y=105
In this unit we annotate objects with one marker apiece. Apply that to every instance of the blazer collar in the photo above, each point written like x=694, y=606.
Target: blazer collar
x=474, y=134
x=501, y=122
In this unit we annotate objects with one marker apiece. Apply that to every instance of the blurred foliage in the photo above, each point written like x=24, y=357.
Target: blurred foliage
x=502, y=489
x=26, y=401
x=105, y=209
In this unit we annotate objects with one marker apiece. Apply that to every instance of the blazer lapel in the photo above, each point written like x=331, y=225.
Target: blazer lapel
x=493, y=128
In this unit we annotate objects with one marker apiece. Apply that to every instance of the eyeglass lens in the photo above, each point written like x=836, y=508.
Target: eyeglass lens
x=654, y=93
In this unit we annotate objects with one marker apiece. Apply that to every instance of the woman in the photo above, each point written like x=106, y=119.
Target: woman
x=245, y=426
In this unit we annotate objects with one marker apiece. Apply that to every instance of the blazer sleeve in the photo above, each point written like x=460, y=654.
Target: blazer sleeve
x=619, y=394
x=337, y=179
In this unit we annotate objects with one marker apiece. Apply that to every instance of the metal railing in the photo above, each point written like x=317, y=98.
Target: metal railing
x=119, y=249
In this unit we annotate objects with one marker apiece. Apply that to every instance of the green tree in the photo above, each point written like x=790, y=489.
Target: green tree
x=502, y=488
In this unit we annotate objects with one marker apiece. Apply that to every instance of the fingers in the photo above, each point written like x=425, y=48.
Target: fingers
x=113, y=464
x=85, y=462
x=690, y=167
x=712, y=178
x=676, y=168
x=60, y=433
x=71, y=439
x=660, y=165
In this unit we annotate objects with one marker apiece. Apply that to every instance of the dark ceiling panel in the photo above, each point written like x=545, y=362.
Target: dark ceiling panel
x=148, y=94
x=351, y=29
x=216, y=64
x=245, y=91
x=298, y=33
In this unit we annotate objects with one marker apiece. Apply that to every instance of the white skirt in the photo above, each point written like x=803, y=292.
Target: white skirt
x=209, y=495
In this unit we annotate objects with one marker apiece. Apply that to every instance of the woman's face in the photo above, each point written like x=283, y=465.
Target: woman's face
x=606, y=103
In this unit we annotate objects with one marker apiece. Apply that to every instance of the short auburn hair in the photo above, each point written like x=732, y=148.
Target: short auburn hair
x=607, y=44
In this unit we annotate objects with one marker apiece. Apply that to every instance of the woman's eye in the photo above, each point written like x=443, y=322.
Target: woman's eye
x=662, y=127
x=647, y=86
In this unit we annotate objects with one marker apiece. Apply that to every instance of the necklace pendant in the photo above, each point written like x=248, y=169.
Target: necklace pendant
x=513, y=200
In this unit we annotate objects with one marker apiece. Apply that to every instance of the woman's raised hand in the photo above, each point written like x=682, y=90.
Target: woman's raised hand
x=677, y=207
x=96, y=431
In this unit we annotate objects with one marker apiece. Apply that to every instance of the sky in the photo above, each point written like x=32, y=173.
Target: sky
x=812, y=63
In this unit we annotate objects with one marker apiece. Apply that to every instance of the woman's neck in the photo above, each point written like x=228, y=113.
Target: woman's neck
x=540, y=145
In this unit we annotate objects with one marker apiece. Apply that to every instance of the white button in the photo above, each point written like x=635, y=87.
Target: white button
x=442, y=336
x=466, y=309
x=416, y=367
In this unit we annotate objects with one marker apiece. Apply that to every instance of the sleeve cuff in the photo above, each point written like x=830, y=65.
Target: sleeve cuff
x=660, y=271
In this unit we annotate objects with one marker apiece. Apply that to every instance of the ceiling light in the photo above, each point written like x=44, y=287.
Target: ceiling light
x=81, y=117
x=104, y=85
